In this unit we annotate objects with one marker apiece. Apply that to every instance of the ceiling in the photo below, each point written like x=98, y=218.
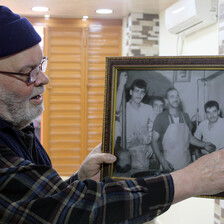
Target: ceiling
x=79, y=8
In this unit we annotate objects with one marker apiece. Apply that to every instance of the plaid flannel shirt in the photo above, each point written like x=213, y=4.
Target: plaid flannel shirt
x=36, y=194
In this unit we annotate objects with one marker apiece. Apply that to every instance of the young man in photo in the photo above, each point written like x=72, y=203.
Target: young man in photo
x=158, y=104
x=138, y=121
x=211, y=129
x=172, y=135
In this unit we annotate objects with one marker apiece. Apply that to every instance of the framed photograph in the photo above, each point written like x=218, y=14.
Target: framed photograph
x=182, y=75
x=152, y=107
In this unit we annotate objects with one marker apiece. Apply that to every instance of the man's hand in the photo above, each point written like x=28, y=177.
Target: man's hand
x=123, y=79
x=167, y=166
x=90, y=168
x=205, y=176
x=209, y=147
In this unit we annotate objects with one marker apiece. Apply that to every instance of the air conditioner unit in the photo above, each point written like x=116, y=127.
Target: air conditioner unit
x=190, y=15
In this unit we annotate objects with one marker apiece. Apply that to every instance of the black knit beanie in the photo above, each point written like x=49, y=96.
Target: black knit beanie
x=16, y=33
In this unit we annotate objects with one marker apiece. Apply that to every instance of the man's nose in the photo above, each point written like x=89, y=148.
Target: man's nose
x=42, y=79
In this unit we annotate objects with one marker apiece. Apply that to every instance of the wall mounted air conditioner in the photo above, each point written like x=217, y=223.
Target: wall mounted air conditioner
x=190, y=15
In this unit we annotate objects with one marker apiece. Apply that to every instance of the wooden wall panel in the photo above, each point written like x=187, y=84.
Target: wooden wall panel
x=65, y=108
x=103, y=41
x=73, y=118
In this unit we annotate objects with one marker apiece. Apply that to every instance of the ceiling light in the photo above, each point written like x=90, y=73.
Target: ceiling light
x=85, y=17
x=47, y=16
x=104, y=11
x=40, y=9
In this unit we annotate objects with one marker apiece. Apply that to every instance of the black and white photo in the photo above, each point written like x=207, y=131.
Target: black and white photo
x=161, y=122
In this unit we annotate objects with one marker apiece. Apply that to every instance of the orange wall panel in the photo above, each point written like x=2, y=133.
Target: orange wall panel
x=74, y=99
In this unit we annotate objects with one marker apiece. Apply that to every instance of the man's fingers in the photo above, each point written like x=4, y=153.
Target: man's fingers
x=105, y=158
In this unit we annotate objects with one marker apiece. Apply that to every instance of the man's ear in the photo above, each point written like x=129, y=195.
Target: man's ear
x=219, y=112
x=130, y=92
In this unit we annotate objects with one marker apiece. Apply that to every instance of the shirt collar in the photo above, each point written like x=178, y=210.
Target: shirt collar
x=6, y=124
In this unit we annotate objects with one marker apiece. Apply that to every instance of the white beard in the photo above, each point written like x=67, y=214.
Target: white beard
x=18, y=110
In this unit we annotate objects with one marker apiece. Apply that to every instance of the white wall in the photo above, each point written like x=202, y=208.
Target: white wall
x=203, y=42
x=190, y=211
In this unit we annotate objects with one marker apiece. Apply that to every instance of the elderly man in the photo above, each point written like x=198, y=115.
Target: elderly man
x=33, y=192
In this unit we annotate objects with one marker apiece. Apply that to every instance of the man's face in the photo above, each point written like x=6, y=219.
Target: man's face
x=20, y=102
x=137, y=94
x=157, y=106
x=212, y=114
x=173, y=99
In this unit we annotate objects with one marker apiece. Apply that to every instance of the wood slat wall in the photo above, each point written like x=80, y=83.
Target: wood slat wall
x=72, y=121
x=103, y=41
x=65, y=95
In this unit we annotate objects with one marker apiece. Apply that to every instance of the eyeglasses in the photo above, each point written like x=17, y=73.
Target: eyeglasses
x=33, y=74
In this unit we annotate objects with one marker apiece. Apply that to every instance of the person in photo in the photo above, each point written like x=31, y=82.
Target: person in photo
x=212, y=128
x=172, y=135
x=138, y=122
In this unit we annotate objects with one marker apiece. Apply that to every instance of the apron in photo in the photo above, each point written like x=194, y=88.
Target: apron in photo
x=175, y=144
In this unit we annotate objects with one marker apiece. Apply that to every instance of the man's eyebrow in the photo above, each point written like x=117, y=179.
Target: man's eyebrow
x=31, y=66
x=26, y=67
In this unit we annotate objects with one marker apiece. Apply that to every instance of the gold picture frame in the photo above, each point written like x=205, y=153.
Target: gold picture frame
x=199, y=75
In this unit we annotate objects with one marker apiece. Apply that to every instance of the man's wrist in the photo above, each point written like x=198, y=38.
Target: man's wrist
x=184, y=185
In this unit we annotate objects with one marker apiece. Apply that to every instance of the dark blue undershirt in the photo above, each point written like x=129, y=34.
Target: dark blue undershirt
x=23, y=142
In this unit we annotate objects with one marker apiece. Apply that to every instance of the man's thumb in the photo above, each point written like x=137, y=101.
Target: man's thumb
x=107, y=158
